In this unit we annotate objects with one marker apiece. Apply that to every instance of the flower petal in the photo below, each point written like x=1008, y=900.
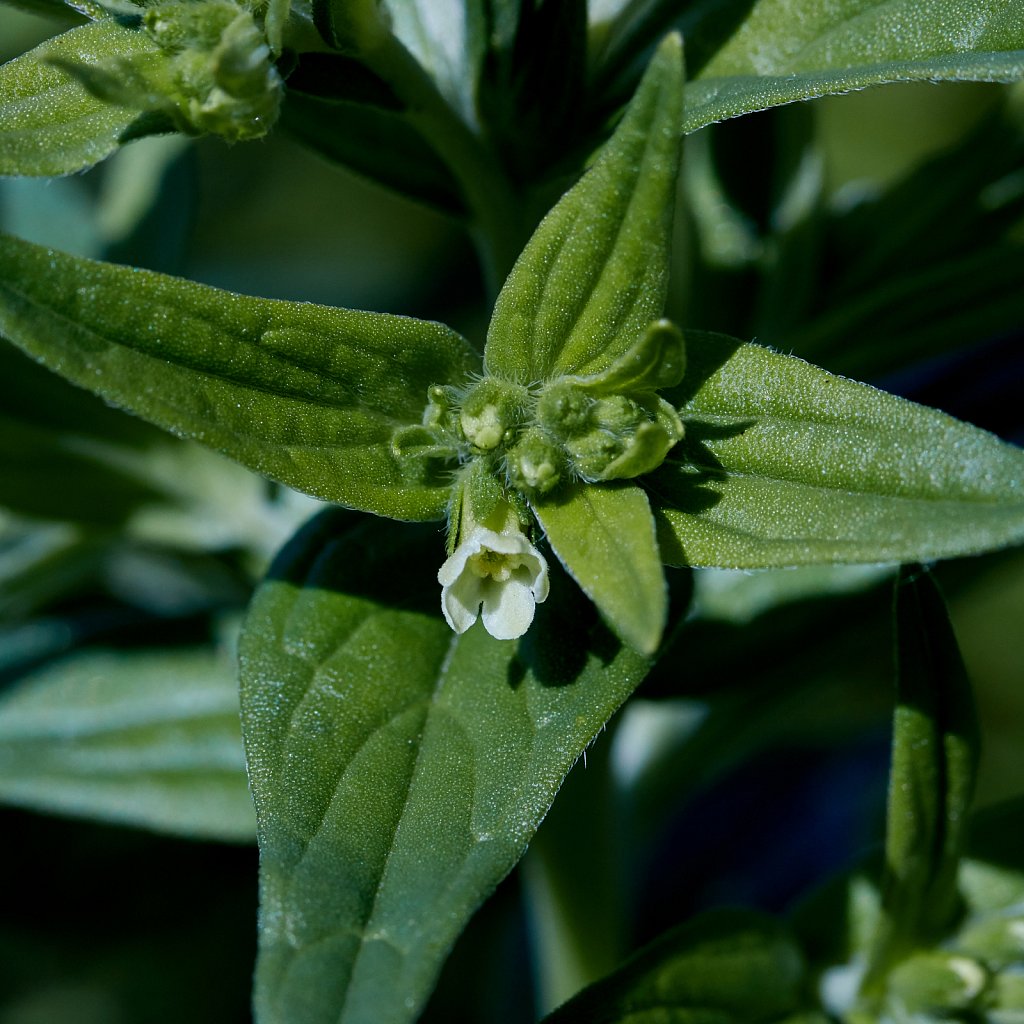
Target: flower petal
x=460, y=601
x=508, y=608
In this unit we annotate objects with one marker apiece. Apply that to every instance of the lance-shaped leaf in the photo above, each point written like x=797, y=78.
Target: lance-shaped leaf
x=308, y=395
x=931, y=781
x=398, y=770
x=604, y=535
x=595, y=272
x=141, y=739
x=723, y=966
x=785, y=464
x=786, y=50
x=49, y=122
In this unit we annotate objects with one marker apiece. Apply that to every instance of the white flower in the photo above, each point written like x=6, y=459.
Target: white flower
x=503, y=572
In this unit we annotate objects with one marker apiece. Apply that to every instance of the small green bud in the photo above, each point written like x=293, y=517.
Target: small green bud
x=629, y=438
x=491, y=413
x=439, y=413
x=535, y=465
x=936, y=982
x=563, y=410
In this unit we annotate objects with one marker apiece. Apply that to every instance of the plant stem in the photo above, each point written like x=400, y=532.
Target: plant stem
x=496, y=224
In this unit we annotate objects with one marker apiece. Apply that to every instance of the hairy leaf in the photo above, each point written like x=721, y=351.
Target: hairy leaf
x=719, y=967
x=595, y=272
x=49, y=122
x=308, y=395
x=605, y=537
x=786, y=50
x=785, y=464
x=398, y=770
x=149, y=739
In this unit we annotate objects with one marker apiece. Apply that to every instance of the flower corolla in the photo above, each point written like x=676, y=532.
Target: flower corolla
x=502, y=572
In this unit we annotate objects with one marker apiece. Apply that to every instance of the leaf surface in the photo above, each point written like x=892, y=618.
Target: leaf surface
x=786, y=50
x=398, y=770
x=785, y=464
x=49, y=122
x=308, y=395
x=149, y=739
x=605, y=537
x=595, y=272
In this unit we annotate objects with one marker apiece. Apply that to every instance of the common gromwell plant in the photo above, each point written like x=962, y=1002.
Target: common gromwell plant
x=517, y=516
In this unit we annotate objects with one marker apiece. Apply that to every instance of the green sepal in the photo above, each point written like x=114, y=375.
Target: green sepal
x=725, y=965
x=604, y=536
x=50, y=123
x=308, y=395
x=785, y=464
x=657, y=360
x=595, y=273
x=398, y=770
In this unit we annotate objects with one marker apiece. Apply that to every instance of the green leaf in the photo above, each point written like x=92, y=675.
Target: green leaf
x=49, y=122
x=718, y=968
x=308, y=395
x=595, y=273
x=931, y=781
x=448, y=38
x=604, y=535
x=785, y=464
x=785, y=50
x=930, y=265
x=147, y=739
x=374, y=141
x=398, y=770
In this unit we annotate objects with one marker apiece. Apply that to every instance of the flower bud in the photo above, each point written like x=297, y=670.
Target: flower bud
x=491, y=413
x=535, y=465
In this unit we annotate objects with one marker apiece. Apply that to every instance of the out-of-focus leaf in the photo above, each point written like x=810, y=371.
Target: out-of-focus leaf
x=532, y=93
x=398, y=770
x=595, y=272
x=782, y=50
x=723, y=966
x=148, y=739
x=931, y=781
x=374, y=141
x=605, y=537
x=932, y=264
x=308, y=395
x=784, y=464
x=448, y=38
x=49, y=122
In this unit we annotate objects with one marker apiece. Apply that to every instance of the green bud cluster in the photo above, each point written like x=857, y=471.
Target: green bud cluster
x=212, y=72
x=222, y=79
x=608, y=426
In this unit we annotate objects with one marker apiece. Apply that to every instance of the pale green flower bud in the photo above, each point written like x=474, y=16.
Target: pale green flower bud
x=491, y=413
x=535, y=465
